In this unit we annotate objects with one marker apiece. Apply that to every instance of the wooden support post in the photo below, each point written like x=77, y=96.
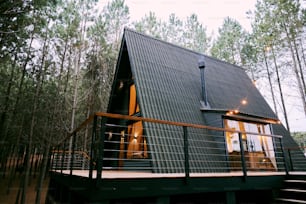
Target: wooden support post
x=57, y=160
x=72, y=152
x=284, y=157
x=101, y=149
x=51, y=158
x=93, y=136
x=186, y=154
x=243, y=164
x=63, y=156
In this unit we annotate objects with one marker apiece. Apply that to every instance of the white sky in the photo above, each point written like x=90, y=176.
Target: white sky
x=211, y=14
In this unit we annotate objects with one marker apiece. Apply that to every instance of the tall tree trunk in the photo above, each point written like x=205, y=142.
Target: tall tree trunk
x=270, y=82
x=295, y=69
x=303, y=53
x=301, y=72
x=6, y=102
x=43, y=170
x=77, y=73
x=39, y=84
x=20, y=88
x=280, y=89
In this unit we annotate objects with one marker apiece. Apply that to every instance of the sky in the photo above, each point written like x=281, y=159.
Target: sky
x=211, y=14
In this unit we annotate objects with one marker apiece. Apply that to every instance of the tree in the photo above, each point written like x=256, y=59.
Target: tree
x=149, y=25
x=229, y=44
x=300, y=138
x=268, y=38
x=280, y=39
x=116, y=16
x=190, y=34
x=291, y=23
x=172, y=30
x=194, y=35
x=15, y=18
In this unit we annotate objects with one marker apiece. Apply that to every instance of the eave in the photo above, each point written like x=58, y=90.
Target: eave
x=237, y=115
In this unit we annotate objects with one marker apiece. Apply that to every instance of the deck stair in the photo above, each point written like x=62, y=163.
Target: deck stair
x=293, y=190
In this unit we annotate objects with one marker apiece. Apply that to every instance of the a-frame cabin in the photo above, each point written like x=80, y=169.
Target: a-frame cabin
x=156, y=79
x=201, y=118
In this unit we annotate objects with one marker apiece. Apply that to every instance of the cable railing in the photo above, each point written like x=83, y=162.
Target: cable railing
x=297, y=158
x=119, y=143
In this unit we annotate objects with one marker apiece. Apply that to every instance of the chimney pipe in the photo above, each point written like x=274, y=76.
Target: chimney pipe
x=201, y=64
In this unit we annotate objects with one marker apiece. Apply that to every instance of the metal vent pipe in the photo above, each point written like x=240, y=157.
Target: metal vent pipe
x=201, y=64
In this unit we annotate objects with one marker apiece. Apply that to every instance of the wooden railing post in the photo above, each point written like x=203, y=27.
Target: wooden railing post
x=186, y=154
x=101, y=149
x=284, y=156
x=93, y=136
x=63, y=157
x=290, y=160
x=72, y=153
x=55, y=158
x=243, y=164
x=51, y=158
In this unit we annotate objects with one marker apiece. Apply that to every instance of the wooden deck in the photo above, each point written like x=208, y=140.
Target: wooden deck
x=112, y=174
x=139, y=184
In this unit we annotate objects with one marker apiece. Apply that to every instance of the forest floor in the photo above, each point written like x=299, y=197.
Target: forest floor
x=9, y=192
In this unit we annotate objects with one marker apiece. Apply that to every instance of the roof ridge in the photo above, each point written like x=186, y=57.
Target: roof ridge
x=163, y=41
x=181, y=47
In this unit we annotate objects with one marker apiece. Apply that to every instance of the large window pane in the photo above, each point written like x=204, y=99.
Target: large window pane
x=258, y=146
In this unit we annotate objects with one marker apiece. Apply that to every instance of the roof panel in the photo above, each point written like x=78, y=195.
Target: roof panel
x=168, y=84
x=173, y=71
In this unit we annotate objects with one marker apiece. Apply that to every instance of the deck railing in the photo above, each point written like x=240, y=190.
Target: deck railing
x=103, y=142
x=296, y=158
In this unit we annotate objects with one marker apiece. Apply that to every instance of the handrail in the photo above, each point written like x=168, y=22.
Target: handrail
x=88, y=120
x=96, y=143
x=165, y=122
x=298, y=162
x=295, y=148
x=182, y=124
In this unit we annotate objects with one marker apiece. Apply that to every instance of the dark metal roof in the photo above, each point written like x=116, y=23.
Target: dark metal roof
x=168, y=87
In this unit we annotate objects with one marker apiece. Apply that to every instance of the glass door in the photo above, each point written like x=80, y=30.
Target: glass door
x=258, y=147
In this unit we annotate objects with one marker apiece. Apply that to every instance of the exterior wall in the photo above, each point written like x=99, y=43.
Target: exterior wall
x=214, y=119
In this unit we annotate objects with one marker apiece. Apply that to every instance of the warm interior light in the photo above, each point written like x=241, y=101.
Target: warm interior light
x=244, y=102
x=232, y=112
